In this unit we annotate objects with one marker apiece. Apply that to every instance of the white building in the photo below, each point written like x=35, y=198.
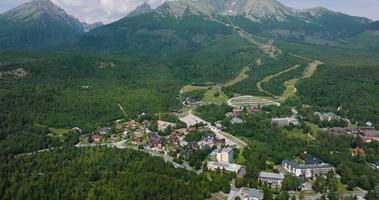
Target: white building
x=327, y=116
x=226, y=166
x=272, y=179
x=311, y=167
x=285, y=121
x=222, y=155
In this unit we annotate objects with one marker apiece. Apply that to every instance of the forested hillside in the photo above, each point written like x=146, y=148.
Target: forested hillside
x=99, y=173
x=355, y=88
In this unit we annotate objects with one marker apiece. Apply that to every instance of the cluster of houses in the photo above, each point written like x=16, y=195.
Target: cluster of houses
x=234, y=115
x=327, y=116
x=99, y=135
x=367, y=134
x=130, y=130
x=307, y=167
x=189, y=101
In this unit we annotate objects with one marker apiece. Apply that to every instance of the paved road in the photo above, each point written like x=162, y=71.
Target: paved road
x=191, y=119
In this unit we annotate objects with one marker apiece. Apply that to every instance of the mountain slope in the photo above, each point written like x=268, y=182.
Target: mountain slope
x=37, y=24
x=366, y=40
x=89, y=27
x=185, y=24
x=165, y=30
x=140, y=10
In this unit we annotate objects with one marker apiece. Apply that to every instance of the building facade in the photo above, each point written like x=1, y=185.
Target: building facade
x=272, y=179
x=311, y=167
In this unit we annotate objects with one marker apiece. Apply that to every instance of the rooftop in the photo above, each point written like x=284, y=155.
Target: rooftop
x=370, y=133
x=226, y=166
x=270, y=175
x=307, y=166
x=254, y=193
x=229, y=149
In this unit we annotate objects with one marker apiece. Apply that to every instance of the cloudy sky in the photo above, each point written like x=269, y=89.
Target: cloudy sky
x=111, y=10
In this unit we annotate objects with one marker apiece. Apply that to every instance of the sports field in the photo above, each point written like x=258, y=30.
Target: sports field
x=251, y=101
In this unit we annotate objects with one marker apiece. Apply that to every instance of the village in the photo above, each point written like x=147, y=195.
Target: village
x=195, y=144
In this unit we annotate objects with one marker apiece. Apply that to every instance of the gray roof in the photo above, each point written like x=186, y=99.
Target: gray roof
x=270, y=175
x=254, y=193
x=371, y=133
x=376, y=163
x=307, y=166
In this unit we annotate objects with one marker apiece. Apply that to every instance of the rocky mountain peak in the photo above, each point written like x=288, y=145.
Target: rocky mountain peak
x=34, y=9
x=140, y=10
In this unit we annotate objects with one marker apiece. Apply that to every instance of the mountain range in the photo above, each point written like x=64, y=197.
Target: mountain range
x=39, y=24
x=177, y=25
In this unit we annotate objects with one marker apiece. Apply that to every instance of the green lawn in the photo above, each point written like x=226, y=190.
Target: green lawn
x=297, y=133
x=58, y=132
x=241, y=76
x=190, y=88
x=211, y=97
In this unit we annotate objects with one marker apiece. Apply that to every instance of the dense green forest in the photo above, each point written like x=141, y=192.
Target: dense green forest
x=101, y=173
x=355, y=88
x=258, y=72
x=276, y=86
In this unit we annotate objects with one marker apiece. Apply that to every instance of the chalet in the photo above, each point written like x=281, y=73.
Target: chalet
x=254, y=110
x=153, y=140
x=193, y=146
x=119, y=125
x=309, y=167
x=236, y=111
x=139, y=132
x=105, y=131
x=357, y=151
x=272, y=179
x=84, y=138
x=369, y=123
x=369, y=134
x=132, y=124
x=76, y=129
x=376, y=164
x=179, y=133
x=236, y=120
x=137, y=140
x=208, y=137
x=113, y=137
x=96, y=138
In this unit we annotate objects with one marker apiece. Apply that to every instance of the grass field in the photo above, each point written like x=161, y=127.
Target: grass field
x=190, y=88
x=58, y=132
x=290, y=85
x=270, y=77
x=215, y=95
x=297, y=133
x=241, y=76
